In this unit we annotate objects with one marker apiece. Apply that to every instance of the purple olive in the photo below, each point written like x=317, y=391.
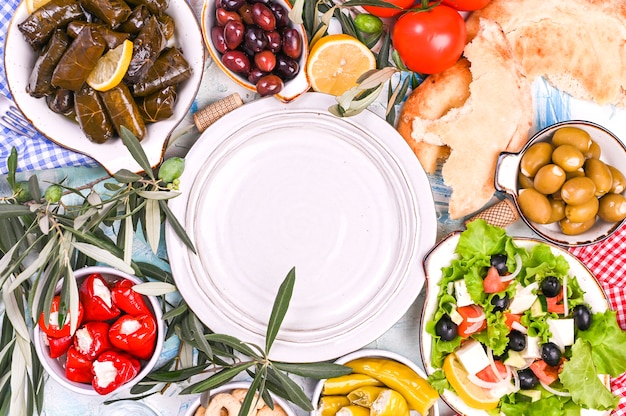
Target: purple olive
x=255, y=74
x=286, y=67
x=232, y=5
x=255, y=39
x=217, y=37
x=236, y=61
x=265, y=61
x=274, y=41
x=222, y=16
x=245, y=12
x=263, y=17
x=292, y=43
x=233, y=34
x=281, y=14
x=269, y=85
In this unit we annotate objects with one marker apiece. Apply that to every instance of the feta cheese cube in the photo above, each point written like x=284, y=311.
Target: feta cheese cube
x=524, y=298
x=532, y=349
x=472, y=356
x=562, y=332
x=463, y=297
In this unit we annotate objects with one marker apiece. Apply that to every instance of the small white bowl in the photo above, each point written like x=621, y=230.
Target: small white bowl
x=292, y=89
x=55, y=366
x=112, y=155
x=613, y=153
x=239, y=385
x=374, y=353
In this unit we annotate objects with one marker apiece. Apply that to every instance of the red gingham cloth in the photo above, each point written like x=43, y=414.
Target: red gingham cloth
x=607, y=260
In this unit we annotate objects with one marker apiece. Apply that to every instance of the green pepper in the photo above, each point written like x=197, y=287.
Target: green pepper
x=343, y=385
x=415, y=389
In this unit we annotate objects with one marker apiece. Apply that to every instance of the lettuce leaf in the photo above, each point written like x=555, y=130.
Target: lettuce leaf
x=580, y=377
x=608, y=343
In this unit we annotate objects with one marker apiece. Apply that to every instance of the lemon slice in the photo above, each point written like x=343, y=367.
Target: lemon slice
x=336, y=62
x=111, y=67
x=473, y=395
x=32, y=5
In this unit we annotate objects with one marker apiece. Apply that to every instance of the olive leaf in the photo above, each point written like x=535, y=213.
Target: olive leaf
x=279, y=309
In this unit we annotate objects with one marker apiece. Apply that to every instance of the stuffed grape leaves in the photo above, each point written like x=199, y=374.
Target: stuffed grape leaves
x=159, y=105
x=146, y=49
x=40, y=81
x=155, y=6
x=111, y=37
x=170, y=69
x=136, y=20
x=123, y=111
x=111, y=12
x=78, y=60
x=38, y=27
x=167, y=25
x=61, y=101
x=92, y=116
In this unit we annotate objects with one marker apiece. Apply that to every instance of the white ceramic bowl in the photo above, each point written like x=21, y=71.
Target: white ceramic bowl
x=613, y=153
x=374, y=353
x=112, y=155
x=238, y=385
x=292, y=89
x=55, y=366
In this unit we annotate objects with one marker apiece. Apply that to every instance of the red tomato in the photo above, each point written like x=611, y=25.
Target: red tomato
x=492, y=282
x=390, y=11
x=466, y=5
x=487, y=374
x=52, y=329
x=555, y=305
x=510, y=318
x=430, y=41
x=468, y=328
x=545, y=372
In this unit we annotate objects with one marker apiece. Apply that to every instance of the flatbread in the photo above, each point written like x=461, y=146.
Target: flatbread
x=496, y=116
x=579, y=46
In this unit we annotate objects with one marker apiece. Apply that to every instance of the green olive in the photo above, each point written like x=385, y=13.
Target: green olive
x=582, y=212
x=368, y=23
x=594, y=151
x=573, y=228
x=577, y=191
x=568, y=157
x=619, y=181
x=612, y=207
x=525, y=181
x=599, y=173
x=534, y=205
x=578, y=138
x=549, y=179
x=558, y=210
x=536, y=156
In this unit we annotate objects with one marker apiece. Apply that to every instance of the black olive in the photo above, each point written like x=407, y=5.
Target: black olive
x=517, y=340
x=582, y=317
x=500, y=303
x=551, y=287
x=551, y=354
x=499, y=262
x=527, y=379
x=446, y=329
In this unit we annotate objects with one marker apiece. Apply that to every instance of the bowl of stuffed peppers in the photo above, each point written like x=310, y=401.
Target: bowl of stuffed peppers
x=54, y=54
x=118, y=338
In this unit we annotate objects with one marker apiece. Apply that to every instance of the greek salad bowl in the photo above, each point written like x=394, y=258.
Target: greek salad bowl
x=382, y=382
x=118, y=340
x=229, y=397
x=498, y=333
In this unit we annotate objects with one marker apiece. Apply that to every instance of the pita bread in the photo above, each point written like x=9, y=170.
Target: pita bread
x=496, y=116
x=579, y=46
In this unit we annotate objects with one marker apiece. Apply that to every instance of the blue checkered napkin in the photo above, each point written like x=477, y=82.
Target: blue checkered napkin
x=34, y=150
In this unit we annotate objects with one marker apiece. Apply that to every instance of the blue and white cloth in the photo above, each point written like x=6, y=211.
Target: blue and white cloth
x=35, y=152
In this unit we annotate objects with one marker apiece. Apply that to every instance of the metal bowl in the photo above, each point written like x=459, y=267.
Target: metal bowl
x=508, y=166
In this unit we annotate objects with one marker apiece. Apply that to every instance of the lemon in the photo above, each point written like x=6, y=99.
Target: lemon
x=336, y=62
x=473, y=395
x=32, y=5
x=111, y=67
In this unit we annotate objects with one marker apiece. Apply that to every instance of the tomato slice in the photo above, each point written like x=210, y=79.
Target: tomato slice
x=492, y=282
x=555, y=305
x=510, y=318
x=544, y=372
x=471, y=312
x=487, y=374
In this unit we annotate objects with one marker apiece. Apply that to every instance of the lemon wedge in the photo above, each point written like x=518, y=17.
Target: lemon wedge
x=473, y=395
x=111, y=67
x=336, y=62
x=32, y=5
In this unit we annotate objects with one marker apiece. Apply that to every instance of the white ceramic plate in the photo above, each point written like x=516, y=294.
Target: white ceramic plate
x=271, y=186
x=112, y=155
x=442, y=255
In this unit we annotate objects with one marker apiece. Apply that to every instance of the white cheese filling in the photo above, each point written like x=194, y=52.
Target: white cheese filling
x=100, y=290
x=104, y=372
x=129, y=327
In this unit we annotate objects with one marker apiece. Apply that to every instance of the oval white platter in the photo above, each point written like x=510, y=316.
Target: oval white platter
x=271, y=186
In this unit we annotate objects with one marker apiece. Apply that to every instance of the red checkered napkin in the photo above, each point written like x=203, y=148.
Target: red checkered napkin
x=607, y=260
